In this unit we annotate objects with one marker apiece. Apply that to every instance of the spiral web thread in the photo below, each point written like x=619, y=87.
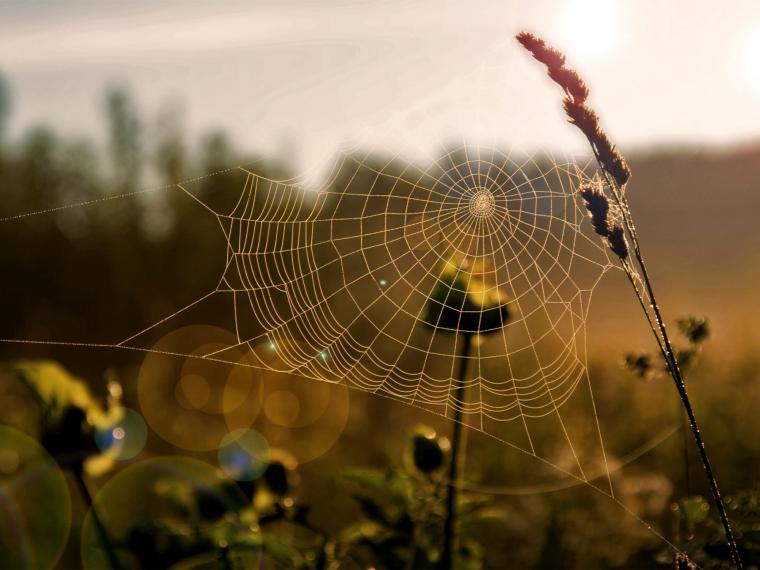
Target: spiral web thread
x=333, y=285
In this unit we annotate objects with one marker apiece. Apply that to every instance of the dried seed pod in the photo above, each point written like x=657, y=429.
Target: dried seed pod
x=611, y=159
x=598, y=207
x=695, y=329
x=639, y=364
x=616, y=239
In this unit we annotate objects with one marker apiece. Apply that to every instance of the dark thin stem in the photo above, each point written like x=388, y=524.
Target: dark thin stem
x=734, y=550
x=598, y=140
x=666, y=347
x=223, y=557
x=456, y=467
x=99, y=527
x=675, y=373
x=686, y=460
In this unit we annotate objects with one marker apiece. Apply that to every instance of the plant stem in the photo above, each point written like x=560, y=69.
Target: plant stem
x=100, y=528
x=666, y=347
x=686, y=461
x=733, y=549
x=456, y=467
x=613, y=172
x=675, y=373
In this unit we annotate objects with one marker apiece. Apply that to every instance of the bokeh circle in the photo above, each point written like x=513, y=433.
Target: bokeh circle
x=122, y=435
x=155, y=507
x=304, y=415
x=35, y=505
x=244, y=455
x=196, y=385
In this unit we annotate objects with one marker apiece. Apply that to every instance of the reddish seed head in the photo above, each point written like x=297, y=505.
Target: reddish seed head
x=579, y=114
x=582, y=117
x=571, y=82
x=610, y=157
x=547, y=55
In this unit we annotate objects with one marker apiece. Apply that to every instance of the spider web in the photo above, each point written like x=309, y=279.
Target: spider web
x=335, y=284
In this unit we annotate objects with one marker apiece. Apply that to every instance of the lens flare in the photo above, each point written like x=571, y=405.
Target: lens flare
x=35, y=506
x=197, y=385
x=305, y=416
x=122, y=435
x=244, y=455
x=147, y=527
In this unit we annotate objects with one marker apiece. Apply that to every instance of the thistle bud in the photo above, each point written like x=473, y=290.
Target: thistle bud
x=276, y=478
x=428, y=452
x=682, y=562
x=462, y=301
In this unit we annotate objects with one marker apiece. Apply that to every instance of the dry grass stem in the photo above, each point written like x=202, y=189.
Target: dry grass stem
x=616, y=173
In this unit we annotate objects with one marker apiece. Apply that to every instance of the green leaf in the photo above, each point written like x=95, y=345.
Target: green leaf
x=695, y=510
x=389, y=484
x=55, y=388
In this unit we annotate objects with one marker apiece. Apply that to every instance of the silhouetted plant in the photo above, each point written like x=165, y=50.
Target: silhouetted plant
x=695, y=331
x=615, y=174
x=698, y=533
x=69, y=415
x=404, y=510
x=462, y=303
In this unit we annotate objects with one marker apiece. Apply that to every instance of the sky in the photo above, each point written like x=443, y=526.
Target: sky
x=315, y=76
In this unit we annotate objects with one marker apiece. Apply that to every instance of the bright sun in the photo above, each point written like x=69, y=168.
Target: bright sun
x=750, y=62
x=589, y=30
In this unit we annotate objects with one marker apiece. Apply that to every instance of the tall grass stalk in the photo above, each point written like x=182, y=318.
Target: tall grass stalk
x=613, y=221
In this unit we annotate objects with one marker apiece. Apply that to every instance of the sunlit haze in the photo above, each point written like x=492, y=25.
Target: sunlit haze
x=406, y=74
x=590, y=30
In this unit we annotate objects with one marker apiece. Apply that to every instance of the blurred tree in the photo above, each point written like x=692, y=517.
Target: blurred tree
x=170, y=161
x=38, y=168
x=125, y=137
x=79, y=181
x=5, y=104
x=216, y=152
x=170, y=155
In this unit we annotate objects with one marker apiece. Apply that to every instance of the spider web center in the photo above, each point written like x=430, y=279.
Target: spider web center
x=482, y=203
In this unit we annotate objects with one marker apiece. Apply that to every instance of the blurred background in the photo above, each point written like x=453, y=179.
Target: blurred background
x=109, y=100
